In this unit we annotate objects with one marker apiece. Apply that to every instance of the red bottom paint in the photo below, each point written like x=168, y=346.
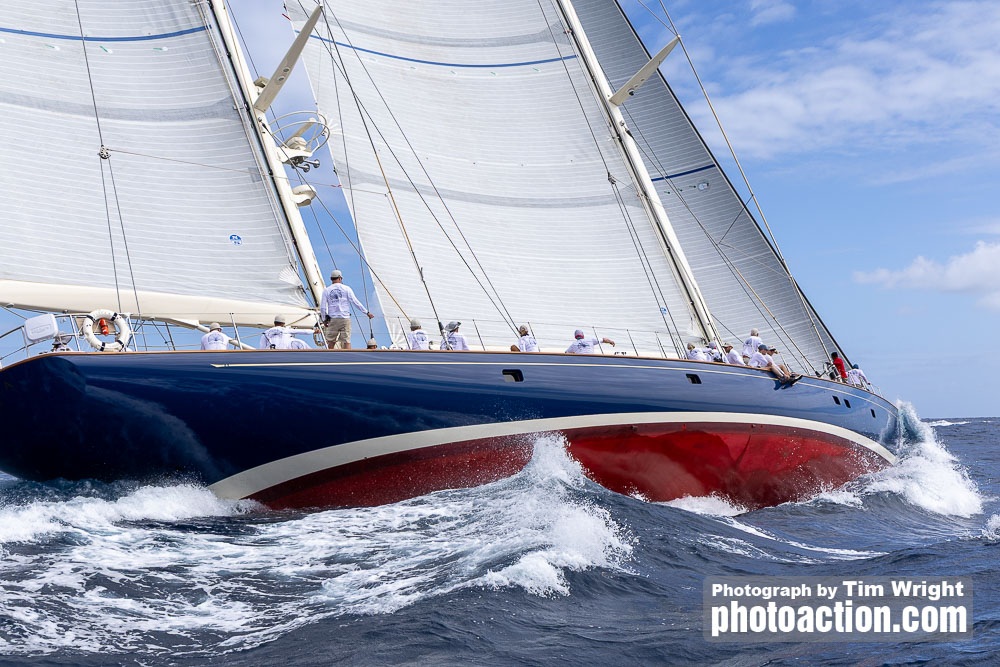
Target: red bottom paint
x=753, y=465
x=394, y=477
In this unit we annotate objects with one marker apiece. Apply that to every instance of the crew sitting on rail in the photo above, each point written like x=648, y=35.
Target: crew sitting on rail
x=763, y=359
x=453, y=340
x=732, y=356
x=696, y=353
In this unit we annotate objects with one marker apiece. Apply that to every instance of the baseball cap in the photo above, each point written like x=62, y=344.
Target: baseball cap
x=453, y=325
x=336, y=274
x=578, y=333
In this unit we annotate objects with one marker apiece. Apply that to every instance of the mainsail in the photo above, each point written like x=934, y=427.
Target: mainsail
x=486, y=180
x=130, y=174
x=483, y=177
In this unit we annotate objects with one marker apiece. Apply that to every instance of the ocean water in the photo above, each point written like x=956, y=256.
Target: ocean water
x=543, y=568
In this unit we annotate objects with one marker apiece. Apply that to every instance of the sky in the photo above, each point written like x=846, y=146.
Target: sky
x=870, y=133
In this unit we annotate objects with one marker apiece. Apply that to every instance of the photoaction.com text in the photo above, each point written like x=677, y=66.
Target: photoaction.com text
x=837, y=609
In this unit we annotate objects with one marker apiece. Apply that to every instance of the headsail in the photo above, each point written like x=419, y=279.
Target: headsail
x=130, y=175
x=476, y=157
x=738, y=271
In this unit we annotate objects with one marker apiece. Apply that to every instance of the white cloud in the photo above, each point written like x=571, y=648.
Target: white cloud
x=927, y=77
x=976, y=272
x=770, y=11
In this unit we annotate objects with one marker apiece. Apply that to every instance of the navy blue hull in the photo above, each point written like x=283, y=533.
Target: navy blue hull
x=215, y=415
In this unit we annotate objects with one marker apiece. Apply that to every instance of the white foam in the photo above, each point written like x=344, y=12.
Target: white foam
x=945, y=422
x=991, y=531
x=708, y=505
x=134, y=575
x=927, y=475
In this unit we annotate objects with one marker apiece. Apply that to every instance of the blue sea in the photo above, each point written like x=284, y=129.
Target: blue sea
x=545, y=568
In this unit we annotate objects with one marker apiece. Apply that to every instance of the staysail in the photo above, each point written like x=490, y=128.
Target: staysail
x=131, y=176
x=482, y=175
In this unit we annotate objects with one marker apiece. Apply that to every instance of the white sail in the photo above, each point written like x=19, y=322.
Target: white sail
x=737, y=269
x=475, y=157
x=177, y=220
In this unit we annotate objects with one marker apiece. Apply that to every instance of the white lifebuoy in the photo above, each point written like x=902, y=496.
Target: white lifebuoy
x=123, y=332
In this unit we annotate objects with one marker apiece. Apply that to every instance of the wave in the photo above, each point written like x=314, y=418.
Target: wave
x=945, y=422
x=160, y=568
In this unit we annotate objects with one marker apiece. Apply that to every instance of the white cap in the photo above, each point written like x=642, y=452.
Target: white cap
x=336, y=274
x=214, y=325
x=578, y=333
x=452, y=326
x=279, y=319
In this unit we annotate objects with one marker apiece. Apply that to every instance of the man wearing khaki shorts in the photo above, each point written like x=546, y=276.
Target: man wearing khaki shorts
x=335, y=311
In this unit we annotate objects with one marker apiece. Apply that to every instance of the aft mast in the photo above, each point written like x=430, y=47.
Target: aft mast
x=633, y=159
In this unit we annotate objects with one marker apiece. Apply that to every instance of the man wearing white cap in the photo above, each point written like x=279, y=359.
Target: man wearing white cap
x=452, y=339
x=214, y=339
x=277, y=337
x=584, y=345
x=335, y=311
x=417, y=338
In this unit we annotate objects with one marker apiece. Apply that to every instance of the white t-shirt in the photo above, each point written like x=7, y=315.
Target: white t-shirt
x=336, y=301
x=214, y=340
x=759, y=360
x=276, y=338
x=526, y=343
x=417, y=340
x=454, y=341
x=856, y=376
x=735, y=358
x=697, y=354
x=750, y=346
x=583, y=346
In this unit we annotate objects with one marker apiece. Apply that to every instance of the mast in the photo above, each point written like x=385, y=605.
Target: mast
x=286, y=197
x=633, y=159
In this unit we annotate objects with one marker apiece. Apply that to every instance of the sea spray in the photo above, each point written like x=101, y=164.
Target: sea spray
x=926, y=475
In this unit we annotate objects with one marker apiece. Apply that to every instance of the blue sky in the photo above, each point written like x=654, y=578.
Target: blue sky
x=869, y=132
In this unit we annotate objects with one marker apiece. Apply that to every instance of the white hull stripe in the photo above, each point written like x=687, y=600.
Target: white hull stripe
x=284, y=470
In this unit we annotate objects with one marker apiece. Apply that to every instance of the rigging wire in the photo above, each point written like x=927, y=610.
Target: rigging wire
x=786, y=274
x=658, y=295
x=338, y=63
x=104, y=155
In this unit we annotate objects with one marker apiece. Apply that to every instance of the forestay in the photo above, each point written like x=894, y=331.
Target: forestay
x=178, y=221
x=472, y=148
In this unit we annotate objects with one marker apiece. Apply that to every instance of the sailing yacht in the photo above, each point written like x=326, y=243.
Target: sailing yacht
x=505, y=163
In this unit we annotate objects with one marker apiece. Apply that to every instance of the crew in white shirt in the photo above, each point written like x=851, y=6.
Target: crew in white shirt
x=526, y=343
x=452, y=339
x=732, y=356
x=335, y=312
x=417, y=338
x=857, y=377
x=696, y=353
x=214, y=339
x=751, y=345
x=584, y=345
x=277, y=337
